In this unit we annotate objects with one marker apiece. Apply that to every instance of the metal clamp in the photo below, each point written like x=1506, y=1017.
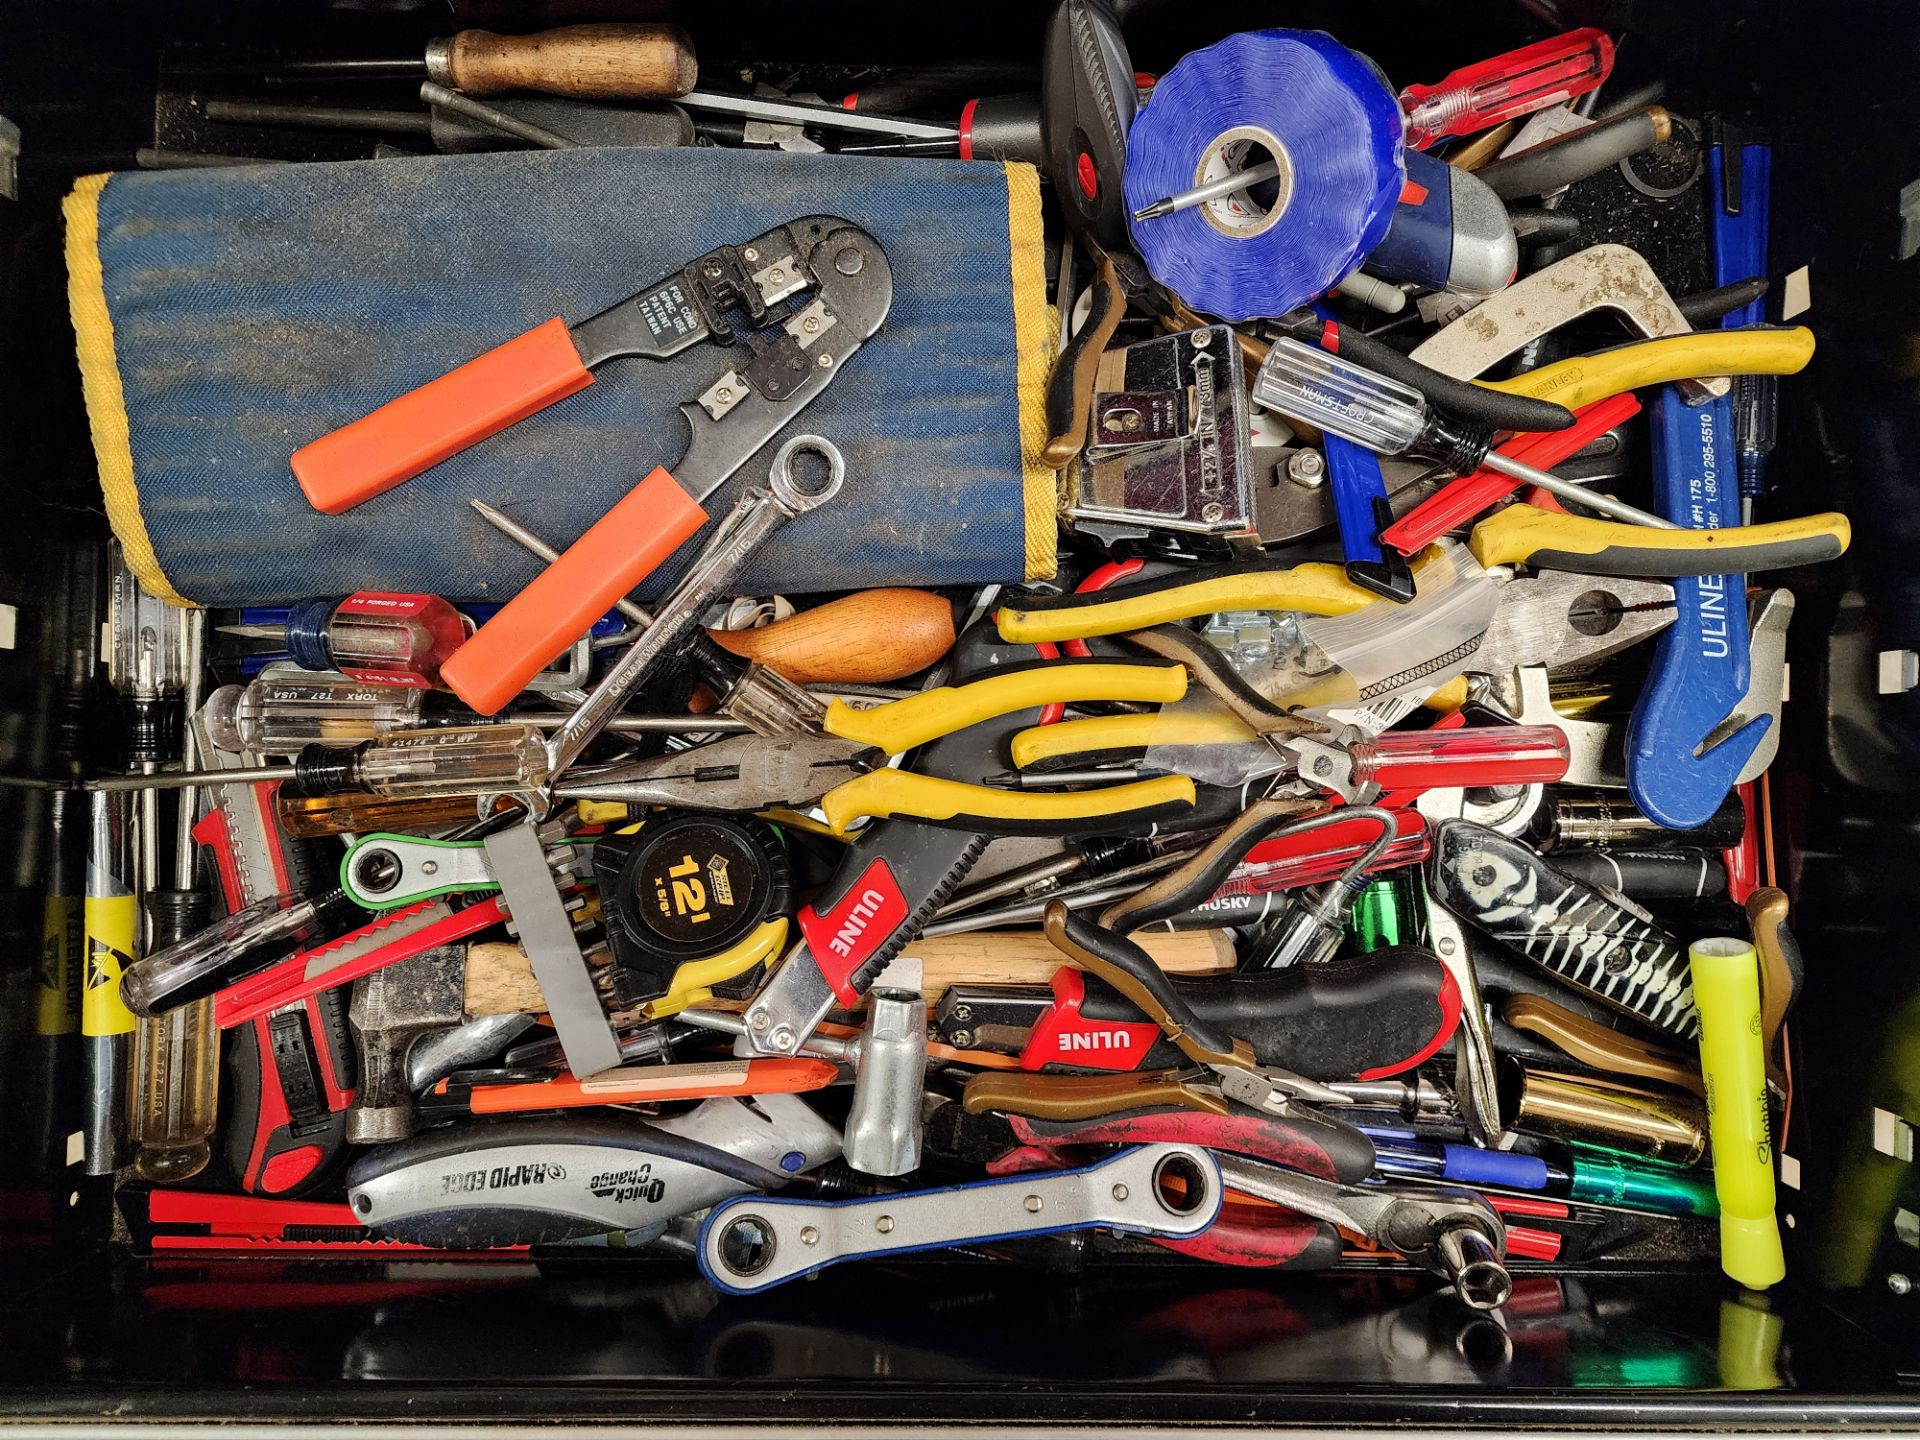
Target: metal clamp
x=1447, y=1231
x=755, y=1243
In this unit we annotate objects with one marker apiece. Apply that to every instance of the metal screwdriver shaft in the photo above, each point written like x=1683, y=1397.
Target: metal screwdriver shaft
x=1213, y=190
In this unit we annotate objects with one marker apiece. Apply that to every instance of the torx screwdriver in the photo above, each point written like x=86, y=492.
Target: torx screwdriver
x=1305, y=383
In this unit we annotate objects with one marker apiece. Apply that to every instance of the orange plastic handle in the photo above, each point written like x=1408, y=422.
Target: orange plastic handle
x=624, y=546
x=419, y=429
x=648, y=1084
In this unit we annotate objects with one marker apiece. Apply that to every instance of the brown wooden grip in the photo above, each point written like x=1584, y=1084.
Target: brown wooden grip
x=1082, y=1097
x=584, y=62
x=868, y=638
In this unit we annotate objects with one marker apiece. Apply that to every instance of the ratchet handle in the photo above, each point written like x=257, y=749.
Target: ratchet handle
x=622, y=548
x=419, y=429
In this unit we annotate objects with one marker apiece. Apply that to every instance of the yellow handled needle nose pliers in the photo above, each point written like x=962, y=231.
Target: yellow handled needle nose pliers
x=843, y=769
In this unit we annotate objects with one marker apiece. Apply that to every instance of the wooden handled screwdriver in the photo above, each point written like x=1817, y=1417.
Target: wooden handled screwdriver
x=582, y=62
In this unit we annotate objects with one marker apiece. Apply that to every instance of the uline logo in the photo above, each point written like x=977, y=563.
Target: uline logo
x=865, y=907
x=846, y=934
x=1093, y=1040
x=623, y=1187
x=502, y=1177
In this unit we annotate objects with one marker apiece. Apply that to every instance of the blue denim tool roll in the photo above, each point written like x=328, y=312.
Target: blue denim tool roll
x=227, y=316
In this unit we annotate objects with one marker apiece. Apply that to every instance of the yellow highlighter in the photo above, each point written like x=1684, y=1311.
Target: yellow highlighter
x=1726, y=989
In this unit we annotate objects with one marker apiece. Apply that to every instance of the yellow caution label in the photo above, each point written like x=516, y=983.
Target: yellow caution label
x=112, y=923
x=57, y=1011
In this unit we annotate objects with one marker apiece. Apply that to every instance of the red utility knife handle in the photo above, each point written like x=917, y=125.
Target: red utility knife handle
x=623, y=547
x=419, y=429
x=308, y=973
x=1458, y=501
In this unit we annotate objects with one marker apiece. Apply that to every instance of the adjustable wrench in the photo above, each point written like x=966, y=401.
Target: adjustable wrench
x=760, y=1241
x=1449, y=1232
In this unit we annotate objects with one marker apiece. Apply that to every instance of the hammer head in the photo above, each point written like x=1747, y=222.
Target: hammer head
x=390, y=1009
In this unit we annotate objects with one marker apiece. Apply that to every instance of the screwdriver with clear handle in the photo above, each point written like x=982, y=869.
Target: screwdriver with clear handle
x=1307, y=384
x=1519, y=82
x=397, y=765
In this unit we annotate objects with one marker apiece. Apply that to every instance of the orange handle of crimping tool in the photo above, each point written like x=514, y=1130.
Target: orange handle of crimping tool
x=624, y=546
x=648, y=1084
x=419, y=429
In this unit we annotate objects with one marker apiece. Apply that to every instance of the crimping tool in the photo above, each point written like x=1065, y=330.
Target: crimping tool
x=792, y=354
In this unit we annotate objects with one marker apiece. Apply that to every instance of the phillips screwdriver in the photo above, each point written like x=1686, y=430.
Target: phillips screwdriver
x=1478, y=97
x=377, y=637
x=1304, y=383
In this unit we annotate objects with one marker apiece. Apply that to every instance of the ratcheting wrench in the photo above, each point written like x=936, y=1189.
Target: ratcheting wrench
x=384, y=872
x=1449, y=1232
x=759, y=1241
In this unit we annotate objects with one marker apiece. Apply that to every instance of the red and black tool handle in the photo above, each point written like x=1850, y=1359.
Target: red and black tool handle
x=1254, y=1234
x=291, y=1076
x=1301, y=1141
x=1364, y=1017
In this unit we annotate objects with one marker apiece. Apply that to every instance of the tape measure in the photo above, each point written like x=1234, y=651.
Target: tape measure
x=684, y=888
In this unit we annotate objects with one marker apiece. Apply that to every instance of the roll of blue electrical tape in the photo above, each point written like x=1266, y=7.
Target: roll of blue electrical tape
x=1323, y=112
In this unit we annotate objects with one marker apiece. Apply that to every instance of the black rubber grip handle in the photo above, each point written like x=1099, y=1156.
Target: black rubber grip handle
x=1575, y=155
x=1363, y=1017
x=1130, y=970
x=1647, y=874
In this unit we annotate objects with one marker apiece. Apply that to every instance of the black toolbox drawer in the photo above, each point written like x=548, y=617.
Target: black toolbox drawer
x=89, y=1334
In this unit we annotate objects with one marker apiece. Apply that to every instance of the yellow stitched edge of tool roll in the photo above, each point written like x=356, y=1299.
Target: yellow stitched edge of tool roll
x=1124, y=732
x=902, y=724
x=1035, y=327
x=1587, y=378
x=881, y=793
x=100, y=382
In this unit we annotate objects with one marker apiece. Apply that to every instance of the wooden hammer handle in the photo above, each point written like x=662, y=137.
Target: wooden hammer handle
x=584, y=62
